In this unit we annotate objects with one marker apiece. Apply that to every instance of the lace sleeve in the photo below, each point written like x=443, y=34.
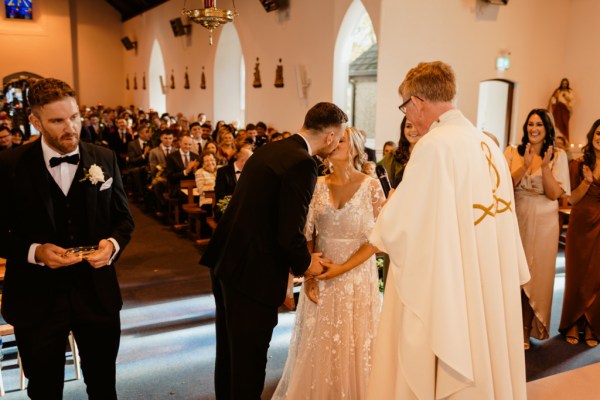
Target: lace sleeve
x=377, y=197
x=309, y=228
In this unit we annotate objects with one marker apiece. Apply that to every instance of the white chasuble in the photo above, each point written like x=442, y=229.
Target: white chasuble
x=451, y=324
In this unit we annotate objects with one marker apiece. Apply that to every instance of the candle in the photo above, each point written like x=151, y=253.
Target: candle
x=572, y=145
x=208, y=3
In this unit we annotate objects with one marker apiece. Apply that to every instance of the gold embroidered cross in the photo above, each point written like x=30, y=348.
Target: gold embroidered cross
x=498, y=205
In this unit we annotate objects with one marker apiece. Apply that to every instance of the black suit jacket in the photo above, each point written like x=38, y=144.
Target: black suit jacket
x=261, y=235
x=175, y=169
x=27, y=217
x=135, y=154
x=224, y=185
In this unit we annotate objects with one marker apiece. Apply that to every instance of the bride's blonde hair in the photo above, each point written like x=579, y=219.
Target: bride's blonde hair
x=357, y=148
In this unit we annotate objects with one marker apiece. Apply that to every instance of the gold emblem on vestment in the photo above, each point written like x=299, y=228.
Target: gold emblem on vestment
x=498, y=205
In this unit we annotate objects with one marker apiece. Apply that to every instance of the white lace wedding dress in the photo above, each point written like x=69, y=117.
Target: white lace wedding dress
x=331, y=345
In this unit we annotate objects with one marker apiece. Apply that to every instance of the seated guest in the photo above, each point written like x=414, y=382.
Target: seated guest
x=181, y=165
x=157, y=159
x=17, y=137
x=196, y=134
x=118, y=141
x=137, y=162
x=5, y=138
x=206, y=128
x=226, y=145
x=388, y=147
x=205, y=178
x=368, y=168
x=228, y=176
x=275, y=136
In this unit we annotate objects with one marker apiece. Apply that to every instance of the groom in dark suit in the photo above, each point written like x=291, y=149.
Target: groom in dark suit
x=258, y=241
x=60, y=193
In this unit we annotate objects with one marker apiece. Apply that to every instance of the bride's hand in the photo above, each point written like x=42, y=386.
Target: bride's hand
x=331, y=271
x=311, y=289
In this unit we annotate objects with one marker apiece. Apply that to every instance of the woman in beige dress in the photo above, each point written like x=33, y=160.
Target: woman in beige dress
x=540, y=176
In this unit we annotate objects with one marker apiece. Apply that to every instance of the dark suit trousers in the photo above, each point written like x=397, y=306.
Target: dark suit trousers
x=244, y=330
x=42, y=346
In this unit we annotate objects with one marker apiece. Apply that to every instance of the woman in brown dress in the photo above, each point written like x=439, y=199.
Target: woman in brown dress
x=581, y=304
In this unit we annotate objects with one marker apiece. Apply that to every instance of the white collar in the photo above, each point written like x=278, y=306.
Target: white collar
x=307, y=144
x=50, y=152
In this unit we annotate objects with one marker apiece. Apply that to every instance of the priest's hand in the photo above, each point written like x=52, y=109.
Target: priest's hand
x=54, y=256
x=100, y=257
x=311, y=289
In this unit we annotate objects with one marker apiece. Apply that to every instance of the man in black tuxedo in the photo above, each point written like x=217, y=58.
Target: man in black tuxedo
x=60, y=193
x=227, y=178
x=181, y=164
x=258, y=242
x=137, y=161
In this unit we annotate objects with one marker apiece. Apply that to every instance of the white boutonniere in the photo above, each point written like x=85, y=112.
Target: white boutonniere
x=94, y=174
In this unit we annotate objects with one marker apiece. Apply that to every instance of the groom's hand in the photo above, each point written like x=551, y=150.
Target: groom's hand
x=316, y=266
x=100, y=257
x=53, y=256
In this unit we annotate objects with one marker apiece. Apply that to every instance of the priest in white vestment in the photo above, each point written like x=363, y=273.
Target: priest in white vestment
x=451, y=324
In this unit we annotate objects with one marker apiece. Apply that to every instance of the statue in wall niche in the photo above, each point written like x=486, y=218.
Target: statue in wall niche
x=172, y=79
x=127, y=82
x=134, y=81
x=144, y=81
x=163, y=87
x=279, y=75
x=561, y=106
x=186, y=84
x=257, y=83
x=203, y=80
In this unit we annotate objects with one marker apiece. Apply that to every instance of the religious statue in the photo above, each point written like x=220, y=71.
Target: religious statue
x=186, y=85
x=203, y=80
x=257, y=83
x=172, y=79
x=561, y=106
x=279, y=75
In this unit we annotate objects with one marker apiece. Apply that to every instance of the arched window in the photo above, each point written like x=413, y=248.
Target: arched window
x=355, y=68
x=229, y=77
x=157, y=79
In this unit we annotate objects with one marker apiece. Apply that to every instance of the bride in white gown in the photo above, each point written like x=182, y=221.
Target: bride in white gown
x=336, y=320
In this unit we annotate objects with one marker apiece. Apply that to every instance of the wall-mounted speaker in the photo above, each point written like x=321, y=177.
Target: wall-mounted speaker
x=128, y=43
x=179, y=29
x=272, y=5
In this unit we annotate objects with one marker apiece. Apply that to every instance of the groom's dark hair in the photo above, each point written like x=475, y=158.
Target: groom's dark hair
x=323, y=115
x=46, y=91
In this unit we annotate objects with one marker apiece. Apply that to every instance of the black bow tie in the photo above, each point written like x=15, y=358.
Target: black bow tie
x=72, y=159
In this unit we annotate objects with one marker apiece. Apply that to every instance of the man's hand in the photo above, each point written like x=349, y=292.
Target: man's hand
x=100, y=257
x=52, y=256
x=192, y=166
x=316, y=266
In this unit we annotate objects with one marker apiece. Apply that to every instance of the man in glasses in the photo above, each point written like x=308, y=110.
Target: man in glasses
x=451, y=321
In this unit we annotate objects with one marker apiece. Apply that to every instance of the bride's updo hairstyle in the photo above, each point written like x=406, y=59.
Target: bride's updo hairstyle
x=357, y=148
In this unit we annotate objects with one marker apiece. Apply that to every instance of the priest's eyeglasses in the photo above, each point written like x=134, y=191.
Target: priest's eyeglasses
x=402, y=107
